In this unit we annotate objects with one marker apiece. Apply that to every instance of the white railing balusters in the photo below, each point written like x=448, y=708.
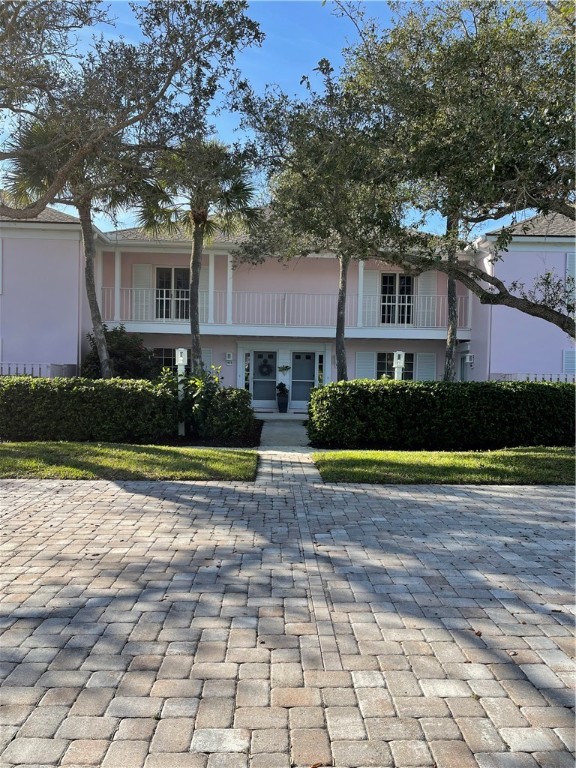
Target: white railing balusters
x=304, y=310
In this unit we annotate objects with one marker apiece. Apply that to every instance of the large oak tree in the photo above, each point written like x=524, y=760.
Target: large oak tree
x=480, y=94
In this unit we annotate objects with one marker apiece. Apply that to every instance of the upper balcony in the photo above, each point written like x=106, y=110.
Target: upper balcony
x=282, y=314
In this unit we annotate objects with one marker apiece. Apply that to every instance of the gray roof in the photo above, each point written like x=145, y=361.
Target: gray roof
x=47, y=216
x=181, y=236
x=553, y=225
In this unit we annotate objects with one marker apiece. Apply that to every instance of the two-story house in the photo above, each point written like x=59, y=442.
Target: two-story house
x=275, y=322
x=260, y=324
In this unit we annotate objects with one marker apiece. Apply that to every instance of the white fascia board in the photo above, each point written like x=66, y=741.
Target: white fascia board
x=282, y=332
x=403, y=333
x=537, y=241
x=19, y=230
x=139, y=246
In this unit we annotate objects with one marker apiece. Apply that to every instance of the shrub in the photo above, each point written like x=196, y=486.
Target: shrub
x=130, y=358
x=124, y=410
x=441, y=415
x=213, y=413
x=107, y=410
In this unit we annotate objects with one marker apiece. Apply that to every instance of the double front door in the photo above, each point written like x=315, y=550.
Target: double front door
x=264, y=376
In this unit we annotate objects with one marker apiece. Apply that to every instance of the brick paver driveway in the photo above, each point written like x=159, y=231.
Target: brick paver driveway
x=210, y=625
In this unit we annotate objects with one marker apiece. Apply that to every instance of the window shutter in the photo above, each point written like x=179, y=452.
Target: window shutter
x=371, y=297
x=365, y=365
x=142, y=293
x=207, y=358
x=425, y=366
x=569, y=361
x=203, y=295
x=427, y=298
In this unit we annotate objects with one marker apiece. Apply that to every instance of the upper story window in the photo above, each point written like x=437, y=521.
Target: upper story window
x=397, y=292
x=172, y=285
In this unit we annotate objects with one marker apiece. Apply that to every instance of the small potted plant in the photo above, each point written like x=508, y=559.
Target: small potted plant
x=282, y=397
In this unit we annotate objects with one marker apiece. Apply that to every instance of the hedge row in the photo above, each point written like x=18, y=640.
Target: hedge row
x=441, y=415
x=116, y=411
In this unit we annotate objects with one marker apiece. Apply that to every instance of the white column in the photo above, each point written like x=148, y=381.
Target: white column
x=360, y=308
x=98, y=269
x=229, y=279
x=211, y=288
x=117, y=279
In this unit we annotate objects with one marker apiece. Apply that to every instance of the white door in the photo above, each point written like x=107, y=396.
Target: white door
x=303, y=378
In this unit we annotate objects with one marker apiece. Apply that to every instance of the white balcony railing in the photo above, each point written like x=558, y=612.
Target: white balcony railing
x=305, y=310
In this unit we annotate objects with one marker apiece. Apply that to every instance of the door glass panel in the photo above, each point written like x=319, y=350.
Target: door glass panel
x=406, y=292
x=181, y=287
x=163, y=286
x=264, y=378
x=303, y=371
x=164, y=278
x=388, y=298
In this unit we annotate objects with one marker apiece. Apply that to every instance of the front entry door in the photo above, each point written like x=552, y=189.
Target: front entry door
x=303, y=378
x=264, y=379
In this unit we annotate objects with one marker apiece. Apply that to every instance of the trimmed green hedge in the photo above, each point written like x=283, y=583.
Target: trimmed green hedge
x=407, y=415
x=76, y=409
x=118, y=411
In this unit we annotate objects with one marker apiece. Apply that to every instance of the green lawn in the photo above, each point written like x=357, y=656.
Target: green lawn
x=513, y=466
x=114, y=461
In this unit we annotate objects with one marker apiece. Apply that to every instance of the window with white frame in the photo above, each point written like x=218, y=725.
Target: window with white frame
x=397, y=296
x=166, y=357
x=172, y=286
x=385, y=365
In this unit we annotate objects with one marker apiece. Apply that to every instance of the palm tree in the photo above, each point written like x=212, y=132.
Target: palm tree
x=106, y=179
x=207, y=191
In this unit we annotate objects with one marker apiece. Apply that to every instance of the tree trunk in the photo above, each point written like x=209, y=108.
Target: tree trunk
x=452, y=298
x=341, y=366
x=89, y=258
x=196, y=362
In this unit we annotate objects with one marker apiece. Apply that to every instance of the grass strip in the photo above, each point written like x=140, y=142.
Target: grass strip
x=511, y=466
x=116, y=461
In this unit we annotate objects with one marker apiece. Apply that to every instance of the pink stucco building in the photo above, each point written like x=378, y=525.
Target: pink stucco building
x=269, y=323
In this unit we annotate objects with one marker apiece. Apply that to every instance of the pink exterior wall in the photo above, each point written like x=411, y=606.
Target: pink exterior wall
x=218, y=344
x=108, y=269
x=129, y=258
x=309, y=275
x=40, y=314
x=520, y=343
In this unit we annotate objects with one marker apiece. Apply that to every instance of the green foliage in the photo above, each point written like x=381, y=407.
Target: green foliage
x=441, y=415
x=111, y=410
x=123, y=410
x=211, y=412
x=229, y=418
x=130, y=358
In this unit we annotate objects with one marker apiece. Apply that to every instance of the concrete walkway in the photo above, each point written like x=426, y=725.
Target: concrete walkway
x=283, y=434
x=285, y=622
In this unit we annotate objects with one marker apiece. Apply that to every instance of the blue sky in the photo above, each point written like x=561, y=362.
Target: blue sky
x=298, y=34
